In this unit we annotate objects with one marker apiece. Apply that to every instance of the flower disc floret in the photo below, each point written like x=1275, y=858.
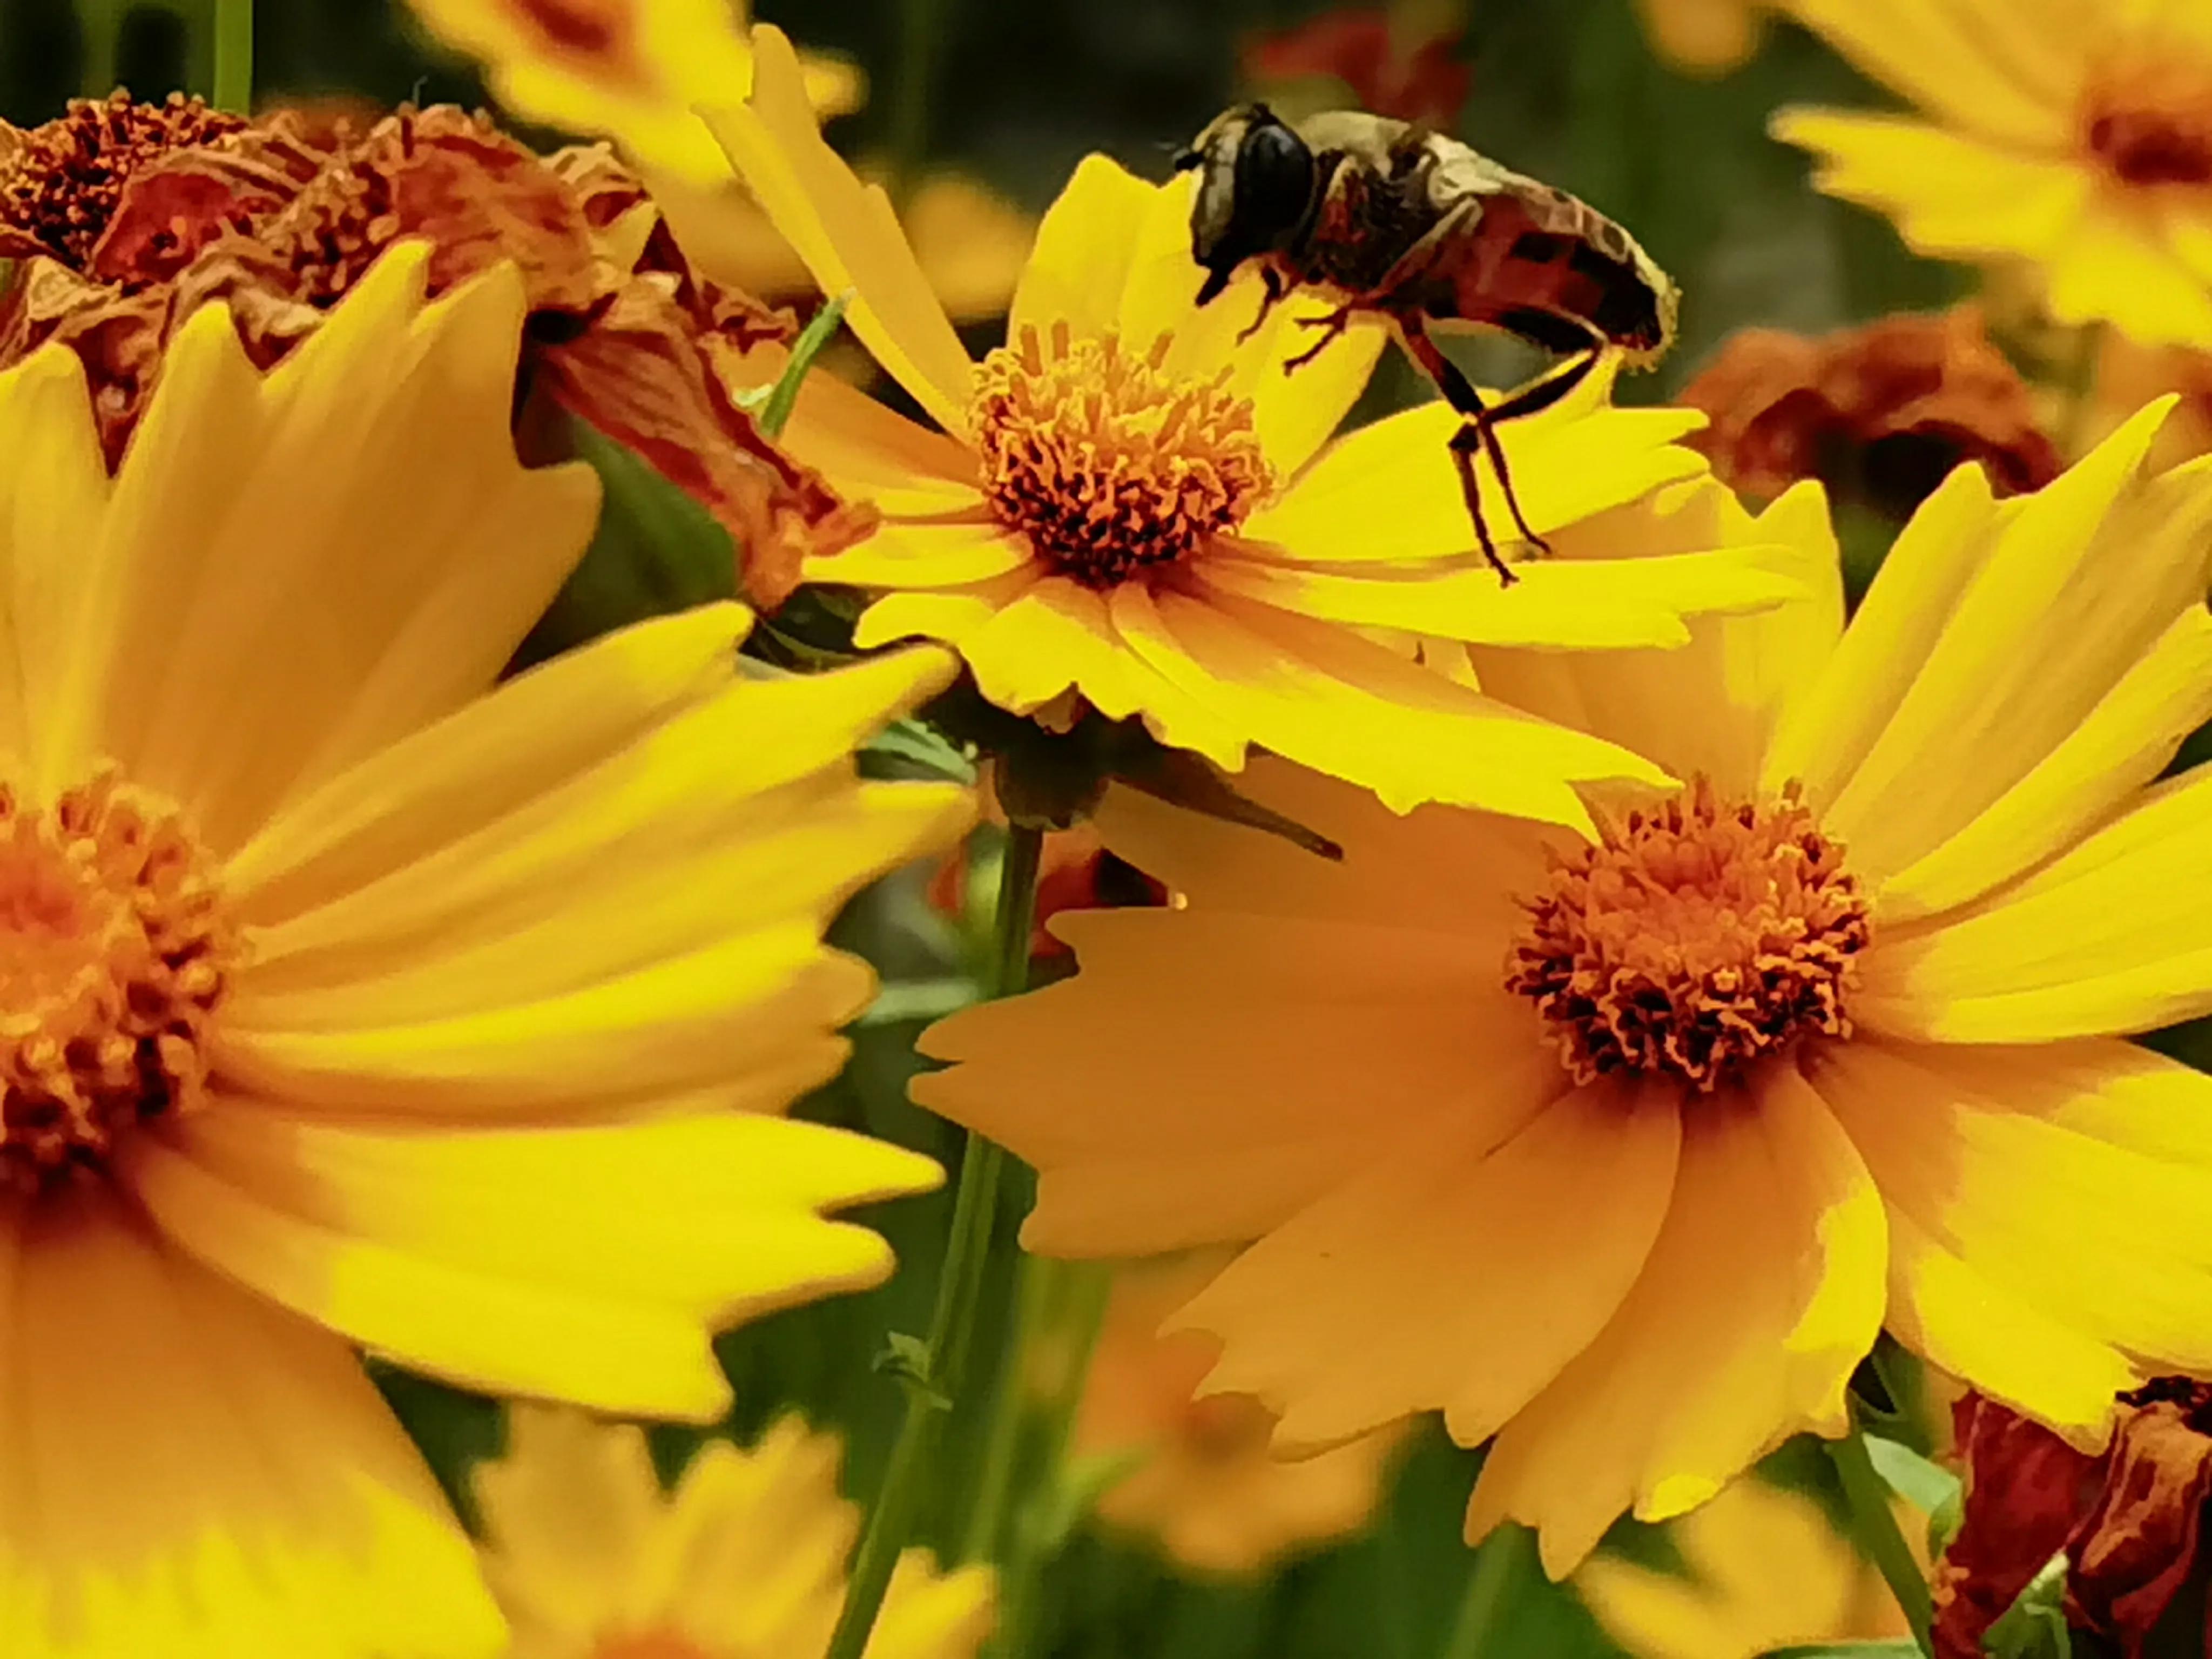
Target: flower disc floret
x=65, y=181
x=115, y=952
x=1106, y=462
x=1691, y=938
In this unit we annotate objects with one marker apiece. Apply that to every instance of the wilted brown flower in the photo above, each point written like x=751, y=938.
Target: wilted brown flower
x=2130, y=1518
x=1881, y=414
x=1427, y=84
x=128, y=217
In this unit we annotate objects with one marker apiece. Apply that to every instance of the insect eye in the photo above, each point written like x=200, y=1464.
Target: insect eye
x=1274, y=181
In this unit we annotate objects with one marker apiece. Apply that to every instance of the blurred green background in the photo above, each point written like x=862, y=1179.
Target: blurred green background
x=1569, y=90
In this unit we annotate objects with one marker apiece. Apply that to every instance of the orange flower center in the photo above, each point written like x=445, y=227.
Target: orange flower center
x=2147, y=118
x=65, y=180
x=114, y=951
x=1691, y=938
x=602, y=31
x=1108, y=464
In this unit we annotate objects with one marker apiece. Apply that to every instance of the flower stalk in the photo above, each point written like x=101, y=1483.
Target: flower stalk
x=1506, y=1557
x=1874, y=1525
x=933, y=1368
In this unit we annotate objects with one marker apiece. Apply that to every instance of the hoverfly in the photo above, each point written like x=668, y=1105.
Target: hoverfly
x=1396, y=221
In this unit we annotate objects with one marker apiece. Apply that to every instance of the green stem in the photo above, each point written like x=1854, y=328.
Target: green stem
x=921, y=31
x=909, y=1474
x=1874, y=1524
x=233, y=56
x=1079, y=1290
x=1002, y=1443
x=1505, y=1557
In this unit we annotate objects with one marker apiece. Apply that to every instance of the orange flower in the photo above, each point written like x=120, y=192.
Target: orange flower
x=1131, y=506
x=2130, y=1518
x=1881, y=413
x=1207, y=1486
x=132, y=217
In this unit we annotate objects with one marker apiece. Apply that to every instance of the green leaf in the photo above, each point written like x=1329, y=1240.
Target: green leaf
x=771, y=406
x=923, y=746
x=919, y=999
x=907, y=1358
x=1927, y=1486
x=2034, y=1625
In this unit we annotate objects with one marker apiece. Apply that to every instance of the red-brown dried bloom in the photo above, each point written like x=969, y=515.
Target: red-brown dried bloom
x=132, y=217
x=1881, y=414
x=1427, y=85
x=2130, y=1520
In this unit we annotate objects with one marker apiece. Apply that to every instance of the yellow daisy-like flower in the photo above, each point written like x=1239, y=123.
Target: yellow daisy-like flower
x=1622, y=1151
x=589, y=1559
x=2074, y=134
x=1767, y=1570
x=346, y=1001
x=632, y=70
x=1126, y=504
x=1205, y=1483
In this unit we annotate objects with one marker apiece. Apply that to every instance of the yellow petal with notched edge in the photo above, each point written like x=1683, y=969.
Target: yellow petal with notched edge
x=2112, y=936
x=519, y=1261
x=1084, y=244
x=1368, y=1305
x=1949, y=193
x=1691, y=1383
x=261, y=1499
x=2050, y=1243
x=845, y=230
x=1567, y=464
x=2008, y=69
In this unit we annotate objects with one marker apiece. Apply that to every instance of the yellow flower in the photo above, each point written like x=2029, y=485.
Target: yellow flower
x=346, y=1001
x=632, y=70
x=1704, y=37
x=1206, y=1484
x=589, y=1559
x=1622, y=1151
x=1127, y=504
x=2074, y=134
x=1767, y=1570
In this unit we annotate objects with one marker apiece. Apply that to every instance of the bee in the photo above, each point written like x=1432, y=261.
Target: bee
x=1394, y=221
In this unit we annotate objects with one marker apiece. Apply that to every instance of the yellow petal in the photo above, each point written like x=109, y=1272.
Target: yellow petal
x=1763, y=1292
x=357, y=552
x=1254, y=1088
x=2125, y=742
x=2047, y=1242
x=521, y=1260
x=261, y=1499
x=868, y=452
x=845, y=230
x=2115, y=267
x=1084, y=244
x=2011, y=72
x=1457, y=1271
x=928, y=553
x=2115, y=936
x=1328, y=698
x=1948, y=193
x=2078, y=585
x=55, y=496
x=568, y=1511
x=1567, y=463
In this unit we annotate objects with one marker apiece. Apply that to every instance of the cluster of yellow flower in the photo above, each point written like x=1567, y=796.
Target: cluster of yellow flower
x=1703, y=986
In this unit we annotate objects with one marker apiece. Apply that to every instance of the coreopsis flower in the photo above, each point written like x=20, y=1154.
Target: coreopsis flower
x=1621, y=1149
x=130, y=216
x=1767, y=1570
x=2130, y=1519
x=346, y=1001
x=1127, y=505
x=2074, y=135
x=632, y=70
x=1423, y=81
x=1881, y=413
x=1204, y=1483
x=590, y=1559
x=1704, y=37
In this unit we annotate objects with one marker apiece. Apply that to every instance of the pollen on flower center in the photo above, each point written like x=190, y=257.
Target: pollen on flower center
x=2147, y=118
x=1108, y=465
x=65, y=181
x=1693, y=938
x=114, y=951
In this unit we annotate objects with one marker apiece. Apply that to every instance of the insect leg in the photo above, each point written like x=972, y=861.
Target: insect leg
x=1479, y=432
x=1331, y=324
x=1547, y=389
x=1276, y=291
